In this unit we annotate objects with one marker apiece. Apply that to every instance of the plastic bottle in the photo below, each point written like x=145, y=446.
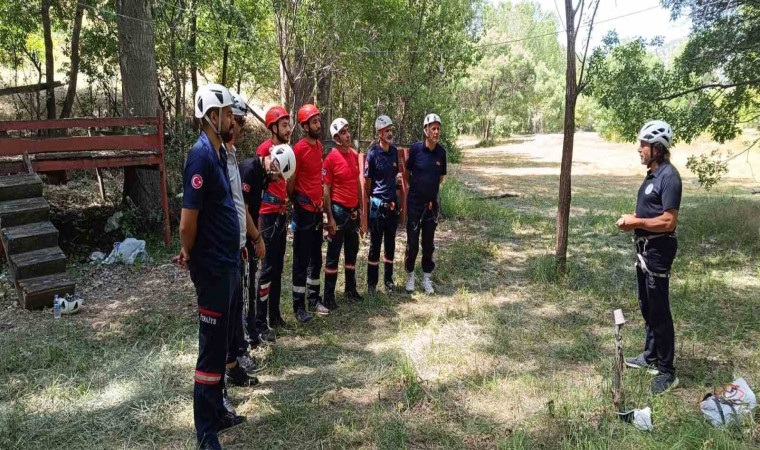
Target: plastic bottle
x=56, y=308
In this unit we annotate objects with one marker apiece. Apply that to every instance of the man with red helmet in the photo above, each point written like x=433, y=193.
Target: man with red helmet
x=305, y=189
x=273, y=228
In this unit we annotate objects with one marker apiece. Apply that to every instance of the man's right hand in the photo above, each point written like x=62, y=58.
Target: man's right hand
x=183, y=259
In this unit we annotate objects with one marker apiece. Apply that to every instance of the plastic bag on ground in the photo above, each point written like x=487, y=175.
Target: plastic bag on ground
x=729, y=405
x=127, y=252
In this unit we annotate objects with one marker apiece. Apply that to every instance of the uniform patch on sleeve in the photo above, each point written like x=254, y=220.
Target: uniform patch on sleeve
x=324, y=171
x=246, y=187
x=196, y=181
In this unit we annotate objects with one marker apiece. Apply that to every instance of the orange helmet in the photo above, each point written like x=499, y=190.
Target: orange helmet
x=274, y=114
x=306, y=112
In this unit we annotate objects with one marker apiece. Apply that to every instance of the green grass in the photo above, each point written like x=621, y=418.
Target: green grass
x=506, y=355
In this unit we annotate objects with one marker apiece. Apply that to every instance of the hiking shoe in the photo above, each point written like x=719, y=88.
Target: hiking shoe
x=410, y=283
x=268, y=336
x=302, y=316
x=227, y=403
x=237, y=376
x=639, y=362
x=318, y=308
x=248, y=364
x=277, y=322
x=663, y=382
x=353, y=295
x=371, y=291
x=228, y=421
x=427, y=284
x=330, y=304
x=389, y=287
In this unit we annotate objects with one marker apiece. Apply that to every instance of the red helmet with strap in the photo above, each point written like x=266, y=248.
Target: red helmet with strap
x=306, y=112
x=274, y=114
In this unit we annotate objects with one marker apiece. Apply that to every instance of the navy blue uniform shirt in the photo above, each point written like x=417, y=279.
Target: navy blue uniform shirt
x=382, y=167
x=207, y=189
x=426, y=168
x=660, y=191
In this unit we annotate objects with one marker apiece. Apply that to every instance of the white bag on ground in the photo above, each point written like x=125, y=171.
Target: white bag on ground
x=730, y=404
x=128, y=252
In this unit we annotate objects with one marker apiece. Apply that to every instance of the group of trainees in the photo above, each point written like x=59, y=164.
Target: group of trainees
x=233, y=231
x=234, y=216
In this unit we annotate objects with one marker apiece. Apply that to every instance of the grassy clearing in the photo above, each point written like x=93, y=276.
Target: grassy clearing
x=505, y=356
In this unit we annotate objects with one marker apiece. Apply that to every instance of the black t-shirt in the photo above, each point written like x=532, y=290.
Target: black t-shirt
x=253, y=175
x=426, y=168
x=382, y=167
x=660, y=191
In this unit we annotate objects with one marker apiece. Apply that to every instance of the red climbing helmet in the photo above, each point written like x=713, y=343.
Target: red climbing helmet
x=306, y=112
x=274, y=114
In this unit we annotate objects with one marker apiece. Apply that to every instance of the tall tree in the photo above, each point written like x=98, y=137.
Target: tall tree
x=713, y=86
x=76, y=31
x=574, y=85
x=49, y=62
x=137, y=61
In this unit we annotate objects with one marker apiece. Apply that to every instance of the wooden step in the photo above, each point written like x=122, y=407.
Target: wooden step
x=25, y=185
x=20, y=212
x=32, y=236
x=39, y=292
x=36, y=263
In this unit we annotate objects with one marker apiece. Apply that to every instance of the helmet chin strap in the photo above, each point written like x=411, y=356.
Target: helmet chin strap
x=217, y=130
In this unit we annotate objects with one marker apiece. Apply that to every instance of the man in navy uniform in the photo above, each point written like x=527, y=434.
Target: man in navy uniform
x=424, y=171
x=209, y=234
x=654, y=227
x=380, y=171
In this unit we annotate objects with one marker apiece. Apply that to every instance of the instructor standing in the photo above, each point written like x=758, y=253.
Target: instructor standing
x=654, y=227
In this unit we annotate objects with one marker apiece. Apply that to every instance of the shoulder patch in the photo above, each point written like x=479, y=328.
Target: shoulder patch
x=649, y=189
x=196, y=181
x=246, y=187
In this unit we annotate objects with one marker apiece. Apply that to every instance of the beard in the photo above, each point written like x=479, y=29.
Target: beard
x=314, y=134
x=284, y=139
x=227, y=135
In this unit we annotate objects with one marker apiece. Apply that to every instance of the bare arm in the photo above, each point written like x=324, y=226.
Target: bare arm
x=291, y=186
x=664, y=223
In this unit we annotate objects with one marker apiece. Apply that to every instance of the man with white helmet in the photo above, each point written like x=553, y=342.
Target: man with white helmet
x=340, y=180
x=305, y=188
x=654, y=227
x=424, y=172
x=240, y=367
x=210, y=239
x=380, y=171
x=267, y=204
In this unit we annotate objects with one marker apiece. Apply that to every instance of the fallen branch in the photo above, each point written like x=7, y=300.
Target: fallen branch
x=28, y=88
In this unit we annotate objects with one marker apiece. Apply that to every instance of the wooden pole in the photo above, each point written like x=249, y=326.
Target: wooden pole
x=617, y=395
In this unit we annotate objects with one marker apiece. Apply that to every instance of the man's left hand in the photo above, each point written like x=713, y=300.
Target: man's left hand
x=626, y=222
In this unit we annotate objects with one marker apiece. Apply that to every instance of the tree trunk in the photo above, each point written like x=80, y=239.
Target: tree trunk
x=137, y=61
x=68, y=103
x=303, y=88
x=193, y=55
x=563, y=201
x=324, y=98
x=49, y=63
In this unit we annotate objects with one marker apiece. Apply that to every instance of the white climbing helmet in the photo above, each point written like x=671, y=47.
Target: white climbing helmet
x=285, y=158
x=211, y=96
x=239, y=106
x=382, y=122
x=337, y=125
x=70, y=304
x=657, y=131
x=430, y=118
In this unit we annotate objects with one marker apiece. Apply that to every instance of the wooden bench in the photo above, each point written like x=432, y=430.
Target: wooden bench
x=48, y=154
